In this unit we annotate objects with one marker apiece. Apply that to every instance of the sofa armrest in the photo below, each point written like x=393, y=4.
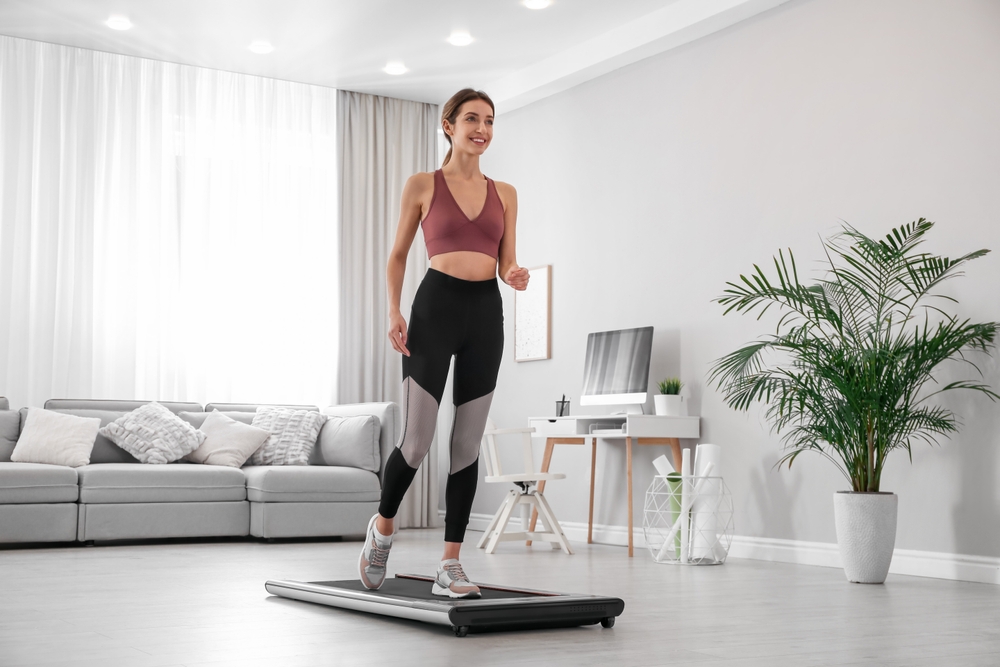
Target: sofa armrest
x=389, y=419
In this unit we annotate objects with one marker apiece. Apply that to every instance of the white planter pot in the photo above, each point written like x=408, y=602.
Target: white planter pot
x=670, y=405
x=866, y=534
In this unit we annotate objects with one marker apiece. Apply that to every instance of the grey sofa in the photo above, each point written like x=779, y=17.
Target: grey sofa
x=117, y=498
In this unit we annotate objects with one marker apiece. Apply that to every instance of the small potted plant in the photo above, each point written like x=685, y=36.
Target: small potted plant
x=669, y=401
x=848, y=372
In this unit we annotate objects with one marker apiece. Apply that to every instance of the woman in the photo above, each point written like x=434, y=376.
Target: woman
x=468, y=222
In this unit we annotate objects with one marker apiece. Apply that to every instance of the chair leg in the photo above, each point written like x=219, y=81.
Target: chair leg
x=553, y=523
x=508, y=508
x=489, y=529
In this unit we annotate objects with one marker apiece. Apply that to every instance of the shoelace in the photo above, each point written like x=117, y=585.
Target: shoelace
x=379, y=555
x=456, y=573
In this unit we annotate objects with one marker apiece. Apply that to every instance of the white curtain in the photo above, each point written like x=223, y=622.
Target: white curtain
x=382, y=142
x=166, y=231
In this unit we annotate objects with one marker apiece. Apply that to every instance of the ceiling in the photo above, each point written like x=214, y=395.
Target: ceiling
x=518, y=55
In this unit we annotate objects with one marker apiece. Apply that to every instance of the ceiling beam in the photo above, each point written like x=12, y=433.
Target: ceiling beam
x=678, y=23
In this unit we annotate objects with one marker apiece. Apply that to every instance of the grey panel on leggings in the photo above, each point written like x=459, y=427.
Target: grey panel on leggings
x=467, y=431
x=419, y=421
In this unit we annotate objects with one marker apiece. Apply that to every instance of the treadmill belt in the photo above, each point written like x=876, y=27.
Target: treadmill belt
x=420, y=589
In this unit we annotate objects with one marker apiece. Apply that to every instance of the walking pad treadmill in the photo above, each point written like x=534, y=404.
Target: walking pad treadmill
x=500, y=607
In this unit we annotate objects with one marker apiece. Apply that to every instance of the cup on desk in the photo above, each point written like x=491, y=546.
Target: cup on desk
x=562, y=408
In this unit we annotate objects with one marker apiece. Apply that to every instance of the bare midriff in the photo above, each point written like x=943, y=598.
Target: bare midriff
x=465, y=264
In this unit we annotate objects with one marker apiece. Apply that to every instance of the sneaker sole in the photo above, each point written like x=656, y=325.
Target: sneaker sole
x=438, y=589
x=361, y=560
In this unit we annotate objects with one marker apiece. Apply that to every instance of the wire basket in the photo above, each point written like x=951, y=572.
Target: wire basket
x=704, y=535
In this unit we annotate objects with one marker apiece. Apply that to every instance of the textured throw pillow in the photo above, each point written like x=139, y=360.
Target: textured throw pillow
x=52, y=437
x=293, y=436
x=153, y=434
x=349, y=441
x=227, y=441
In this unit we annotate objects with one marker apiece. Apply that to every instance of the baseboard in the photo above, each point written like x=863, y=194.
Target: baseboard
x=932, y=564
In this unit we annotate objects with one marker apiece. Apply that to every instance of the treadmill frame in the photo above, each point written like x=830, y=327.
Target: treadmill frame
x=544, y=609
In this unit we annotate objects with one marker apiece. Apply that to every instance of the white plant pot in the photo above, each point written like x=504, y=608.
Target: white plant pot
x=669, y=405
x=866, y=534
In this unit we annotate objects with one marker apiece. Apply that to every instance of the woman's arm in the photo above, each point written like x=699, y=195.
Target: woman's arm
x=409, y=221
x=510, y=272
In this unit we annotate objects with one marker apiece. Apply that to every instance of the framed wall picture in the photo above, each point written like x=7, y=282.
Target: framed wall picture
x=533, y=316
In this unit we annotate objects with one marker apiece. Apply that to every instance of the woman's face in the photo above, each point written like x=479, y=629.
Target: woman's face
x=473, y=128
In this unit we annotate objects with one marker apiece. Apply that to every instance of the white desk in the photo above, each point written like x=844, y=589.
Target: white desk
x=644, y=429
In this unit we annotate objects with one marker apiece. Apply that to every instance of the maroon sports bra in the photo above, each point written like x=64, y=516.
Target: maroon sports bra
x=447, y=228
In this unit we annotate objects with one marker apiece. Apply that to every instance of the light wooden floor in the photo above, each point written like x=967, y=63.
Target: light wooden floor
x=204, y=604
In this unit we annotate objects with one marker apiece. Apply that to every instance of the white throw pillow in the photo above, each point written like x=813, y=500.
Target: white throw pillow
x=293, y=436
x=55, y=438
x=153, y=434
x=227, y=442
x=349, y=441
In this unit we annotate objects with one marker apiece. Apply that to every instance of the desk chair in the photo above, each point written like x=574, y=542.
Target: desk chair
x=526, y=494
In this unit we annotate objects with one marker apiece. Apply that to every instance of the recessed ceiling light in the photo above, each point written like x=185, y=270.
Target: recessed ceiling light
x=395, y=68
x=261, y=46
x=117, y=22
x=537, y=4
x=460, y=38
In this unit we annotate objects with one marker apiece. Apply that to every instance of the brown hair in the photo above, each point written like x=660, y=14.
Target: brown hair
x=451, y=108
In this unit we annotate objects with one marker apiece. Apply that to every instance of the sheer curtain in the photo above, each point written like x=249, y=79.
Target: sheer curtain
x=166, y=231
x=382, y=142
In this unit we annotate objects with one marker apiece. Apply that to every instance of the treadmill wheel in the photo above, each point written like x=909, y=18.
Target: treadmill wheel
x=463, y=630
x=608, y=622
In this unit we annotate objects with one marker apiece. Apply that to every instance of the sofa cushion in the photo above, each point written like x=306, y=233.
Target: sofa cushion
x=37, y=483
x=171, y=483
x=348, y=441
x=10, y=427
x=227, y=441
x=310, y=484
x=104, y=450
x=56, y=438
x=196, y=419
x=293, y=436
x=154, y=434
x=4, y=403
x=252, y=407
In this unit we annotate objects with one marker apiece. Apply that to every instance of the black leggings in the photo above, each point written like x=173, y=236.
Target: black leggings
x=450, y=317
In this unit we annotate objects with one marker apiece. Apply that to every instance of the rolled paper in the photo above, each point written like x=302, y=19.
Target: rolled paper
x=686, y=496
x=673, y=541
x=704, y=503
x=662, y=465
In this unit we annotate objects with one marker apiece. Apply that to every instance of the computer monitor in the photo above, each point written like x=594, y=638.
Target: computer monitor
x=617, y=367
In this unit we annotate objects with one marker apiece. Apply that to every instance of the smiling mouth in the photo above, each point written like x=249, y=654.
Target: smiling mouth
x=480, y=142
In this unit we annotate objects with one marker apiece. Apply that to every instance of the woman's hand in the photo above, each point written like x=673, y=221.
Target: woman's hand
x=517, y=277
x=397, y=333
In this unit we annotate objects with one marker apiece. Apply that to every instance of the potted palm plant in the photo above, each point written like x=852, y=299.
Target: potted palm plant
x=669, y=401
x=851, y=367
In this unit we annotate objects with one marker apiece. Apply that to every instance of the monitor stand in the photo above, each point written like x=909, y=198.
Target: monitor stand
x=630, y=409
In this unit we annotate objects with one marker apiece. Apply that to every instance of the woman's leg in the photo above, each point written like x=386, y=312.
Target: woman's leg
x=477, y=364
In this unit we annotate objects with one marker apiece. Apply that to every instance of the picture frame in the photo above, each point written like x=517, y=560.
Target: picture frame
x=533, y=316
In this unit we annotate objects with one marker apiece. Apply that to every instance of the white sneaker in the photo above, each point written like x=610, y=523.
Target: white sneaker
x=374, y=555
x=452, y=582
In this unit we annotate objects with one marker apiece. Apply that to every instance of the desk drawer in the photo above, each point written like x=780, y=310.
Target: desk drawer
x=544, y=427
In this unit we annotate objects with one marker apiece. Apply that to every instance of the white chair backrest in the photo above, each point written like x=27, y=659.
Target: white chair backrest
x=489, y=448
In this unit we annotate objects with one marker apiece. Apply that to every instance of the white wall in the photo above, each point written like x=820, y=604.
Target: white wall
x=650, y=187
